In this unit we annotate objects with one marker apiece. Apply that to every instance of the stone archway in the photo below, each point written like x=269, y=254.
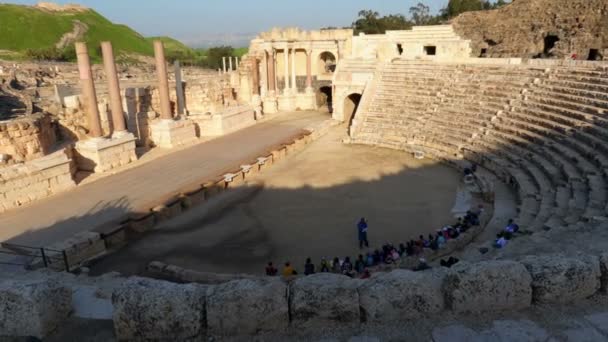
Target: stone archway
x=327, y=63
x=351, y=104
x=325, y=98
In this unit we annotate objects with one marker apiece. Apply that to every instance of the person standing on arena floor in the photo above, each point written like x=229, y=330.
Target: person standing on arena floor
x=362, y=230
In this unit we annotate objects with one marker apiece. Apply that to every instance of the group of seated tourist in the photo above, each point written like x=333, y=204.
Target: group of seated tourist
x=506, y=234
x=388, y=253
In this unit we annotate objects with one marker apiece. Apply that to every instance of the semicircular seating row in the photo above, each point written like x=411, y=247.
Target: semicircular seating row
x=545, y=131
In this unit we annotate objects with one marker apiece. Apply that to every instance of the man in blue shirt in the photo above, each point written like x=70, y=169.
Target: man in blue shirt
x=362, y=229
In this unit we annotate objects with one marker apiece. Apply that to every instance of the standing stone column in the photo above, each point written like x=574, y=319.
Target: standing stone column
x=308, y=70
x=224, y=64
x=118, y=118
x=294, y=84
x=286, y=70
x=271, y=77
x=179, y=89
x=88, y=90
x=230, y=61
x=237, y=62
x=163, y=81
x=255, y=77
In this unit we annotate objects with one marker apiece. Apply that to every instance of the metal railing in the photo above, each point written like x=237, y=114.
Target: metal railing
x=48, y=258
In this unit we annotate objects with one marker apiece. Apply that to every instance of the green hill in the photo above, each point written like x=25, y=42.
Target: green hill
x=24, y=28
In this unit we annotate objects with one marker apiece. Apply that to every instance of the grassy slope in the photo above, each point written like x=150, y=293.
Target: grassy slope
x=25, y=28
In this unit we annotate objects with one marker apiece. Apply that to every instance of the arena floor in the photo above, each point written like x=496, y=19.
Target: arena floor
x=309, y=207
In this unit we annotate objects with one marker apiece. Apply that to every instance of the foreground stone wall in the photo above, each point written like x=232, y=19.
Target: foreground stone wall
x=36, y=179
x=146, y=309
x=519, y=29
x=26, y=138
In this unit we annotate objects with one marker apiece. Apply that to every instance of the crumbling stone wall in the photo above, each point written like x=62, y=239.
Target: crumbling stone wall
x=26, y=138
x=36, y=179
x=520, y=29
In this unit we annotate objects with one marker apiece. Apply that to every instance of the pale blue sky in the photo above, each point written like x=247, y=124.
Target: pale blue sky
x=202, y=22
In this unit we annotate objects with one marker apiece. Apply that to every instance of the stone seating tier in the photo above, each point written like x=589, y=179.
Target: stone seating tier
x=545, y=130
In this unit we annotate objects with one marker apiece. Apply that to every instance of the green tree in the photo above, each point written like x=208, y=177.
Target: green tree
x=421, y=14
x=370, y=22
x=213, y=58
x=456, y=7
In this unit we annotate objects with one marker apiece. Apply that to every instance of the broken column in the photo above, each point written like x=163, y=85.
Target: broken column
x=100, y=154
x=270, y=100
x=167, y=132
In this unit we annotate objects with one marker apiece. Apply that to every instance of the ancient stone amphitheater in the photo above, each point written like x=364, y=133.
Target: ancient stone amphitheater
x=533, y=119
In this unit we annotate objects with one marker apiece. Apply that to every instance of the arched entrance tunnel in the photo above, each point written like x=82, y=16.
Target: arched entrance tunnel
x=326, y=98
x=351, y=104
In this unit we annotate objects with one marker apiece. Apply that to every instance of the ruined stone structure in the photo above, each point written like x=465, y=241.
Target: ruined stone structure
x=539, y=28
x=95, y=116
x=535, y=125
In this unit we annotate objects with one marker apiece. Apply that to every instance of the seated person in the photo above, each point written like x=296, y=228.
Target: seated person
x=360, y=264
x=336, y=267
x=440, y=240
x=395, y=255
x=288, y=270
x=402, y=249
x=377, y=257
x=501, y=242
x=347, y=267
x=435, y=244
x=271, y=270
x=369, y=262
x=309, y=267
x=324, y=267
x=512, y=227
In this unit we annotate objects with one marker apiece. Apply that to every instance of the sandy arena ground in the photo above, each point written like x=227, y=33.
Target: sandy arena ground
x=309, y=207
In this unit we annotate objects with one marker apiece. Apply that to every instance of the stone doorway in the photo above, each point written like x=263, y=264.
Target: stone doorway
x=594, y=55
x=549, y=44
x=325, y=98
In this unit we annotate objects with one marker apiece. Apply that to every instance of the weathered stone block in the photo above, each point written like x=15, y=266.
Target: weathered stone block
x=324, y=299
x=488, y=286
x=33, y=307
x=146, y=309
x=245, y=307
x=559, y=279
x=402, y=294
x=604, y=269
